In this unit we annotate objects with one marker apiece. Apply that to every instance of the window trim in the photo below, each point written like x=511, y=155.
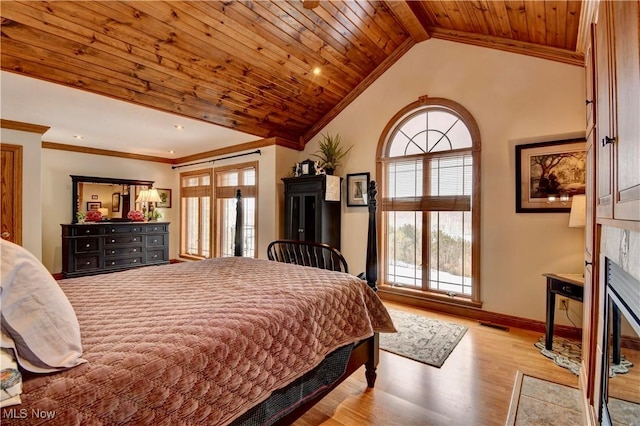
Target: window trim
x=425, y=102
x=249, y=191
x=206, y=192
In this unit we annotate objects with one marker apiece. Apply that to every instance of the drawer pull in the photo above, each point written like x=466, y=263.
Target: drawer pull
x=566, y=289
x=155, y=228
x=88, y=262
x=88, y=245
x=113, y=252
x=135, y=260
x=135, y=250
x=155, y=241
x=113, y=241
x=155, y=256
x=113, y=229
x=88, y=231
x=135, y=239
x=113, y=263
x=135, y=229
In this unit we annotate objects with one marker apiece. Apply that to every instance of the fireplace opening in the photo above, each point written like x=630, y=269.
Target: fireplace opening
x=621, y=354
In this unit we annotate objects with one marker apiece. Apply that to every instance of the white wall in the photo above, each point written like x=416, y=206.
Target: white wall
x=513, y=98
x=31, y=187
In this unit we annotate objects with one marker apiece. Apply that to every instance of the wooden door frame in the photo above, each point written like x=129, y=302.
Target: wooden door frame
x=16, y=210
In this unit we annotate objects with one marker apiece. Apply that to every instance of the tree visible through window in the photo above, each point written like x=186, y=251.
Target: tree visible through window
x=431, y=200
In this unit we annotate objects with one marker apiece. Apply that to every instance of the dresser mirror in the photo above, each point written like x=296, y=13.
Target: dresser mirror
x=114, y=198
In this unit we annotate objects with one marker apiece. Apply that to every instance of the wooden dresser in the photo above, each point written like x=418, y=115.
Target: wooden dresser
x=101, y=247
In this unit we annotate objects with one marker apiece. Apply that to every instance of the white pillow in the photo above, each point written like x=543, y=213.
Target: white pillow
x=38, y=321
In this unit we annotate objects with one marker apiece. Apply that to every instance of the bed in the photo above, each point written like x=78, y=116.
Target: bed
x=218, y=341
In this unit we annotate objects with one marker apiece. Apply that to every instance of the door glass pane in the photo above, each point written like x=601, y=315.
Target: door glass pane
x=309, y=218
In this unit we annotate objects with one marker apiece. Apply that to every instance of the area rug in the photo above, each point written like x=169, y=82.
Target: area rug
x=568, y=354
x=537, y=402
x=421, y=339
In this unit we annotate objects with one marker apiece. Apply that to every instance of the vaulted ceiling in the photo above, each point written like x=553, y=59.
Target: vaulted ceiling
x=266, y=68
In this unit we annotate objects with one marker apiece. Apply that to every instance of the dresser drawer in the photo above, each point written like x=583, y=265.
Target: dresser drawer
x=85, y=263
x=118, y=251
x=155, y=240
x=122, y=229
x=85, y=245
x=84, y=230
x=153, y=228
x=124, y=261
x=122, y=239
x=157, y=255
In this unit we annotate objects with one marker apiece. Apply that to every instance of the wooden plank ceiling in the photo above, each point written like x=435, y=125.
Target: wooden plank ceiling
x=249, y=65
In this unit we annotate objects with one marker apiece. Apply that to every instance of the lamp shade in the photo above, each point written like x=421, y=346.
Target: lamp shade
x=143, y=196
x=154, y=197
x=578, y=215
x=104, y=211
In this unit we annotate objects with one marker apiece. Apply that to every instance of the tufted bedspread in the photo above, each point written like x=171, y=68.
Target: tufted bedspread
x=198, y=342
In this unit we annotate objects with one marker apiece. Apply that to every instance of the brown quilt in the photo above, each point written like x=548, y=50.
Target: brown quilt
x=198, y=342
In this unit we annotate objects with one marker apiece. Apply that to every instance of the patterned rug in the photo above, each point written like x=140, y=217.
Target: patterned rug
x=568, y=354
x=422, y=339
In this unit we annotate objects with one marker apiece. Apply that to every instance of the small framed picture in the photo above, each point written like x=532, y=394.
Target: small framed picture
x=165, y=196
x=94, y=197
x=357, y=185
x=307, y=168
x=93, y=205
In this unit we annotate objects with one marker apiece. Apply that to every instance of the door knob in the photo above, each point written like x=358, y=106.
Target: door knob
x=5, y=234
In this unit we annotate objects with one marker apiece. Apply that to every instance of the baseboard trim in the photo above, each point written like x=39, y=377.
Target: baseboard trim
x=482, y=315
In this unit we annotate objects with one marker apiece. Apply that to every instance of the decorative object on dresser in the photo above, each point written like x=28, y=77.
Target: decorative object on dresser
x=549, y=174
x=357, y=184
x=97, y=248
x=309, y=216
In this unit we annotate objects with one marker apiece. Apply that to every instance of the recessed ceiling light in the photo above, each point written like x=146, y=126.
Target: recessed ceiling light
x=172, y=152
x=316, y=71
x=78, y=137
x=179, y=127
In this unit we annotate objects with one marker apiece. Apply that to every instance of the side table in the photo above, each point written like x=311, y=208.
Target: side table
x=567, y=285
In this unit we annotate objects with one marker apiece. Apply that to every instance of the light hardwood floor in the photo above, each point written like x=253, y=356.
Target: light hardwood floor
x=473, y=387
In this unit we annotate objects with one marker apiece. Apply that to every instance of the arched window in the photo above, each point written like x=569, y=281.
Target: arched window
x=430, y=184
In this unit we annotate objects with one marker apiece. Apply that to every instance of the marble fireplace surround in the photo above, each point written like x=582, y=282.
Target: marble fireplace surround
x=619, y=280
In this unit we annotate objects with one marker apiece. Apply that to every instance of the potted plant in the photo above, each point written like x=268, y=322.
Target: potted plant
x=81, y=216
x=331, y=153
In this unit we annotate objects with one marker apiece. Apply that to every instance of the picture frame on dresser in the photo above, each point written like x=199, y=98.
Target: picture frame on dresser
x=549, y=174
x=357, y=184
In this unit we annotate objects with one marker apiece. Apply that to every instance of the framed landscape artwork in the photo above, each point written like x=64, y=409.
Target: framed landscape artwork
x=93, y=205
x=549, y=174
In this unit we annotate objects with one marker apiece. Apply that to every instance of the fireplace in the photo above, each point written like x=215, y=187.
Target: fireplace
x=621, y=355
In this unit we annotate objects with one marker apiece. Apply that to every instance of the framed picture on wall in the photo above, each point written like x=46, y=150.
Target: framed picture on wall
x=115, y=202
x=549, y=174
x=165, y=196
x=93, y=205
x=357, y=185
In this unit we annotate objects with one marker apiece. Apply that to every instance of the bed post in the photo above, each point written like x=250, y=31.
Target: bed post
x=372, y=277
x=238, y=248
x=371, y=269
